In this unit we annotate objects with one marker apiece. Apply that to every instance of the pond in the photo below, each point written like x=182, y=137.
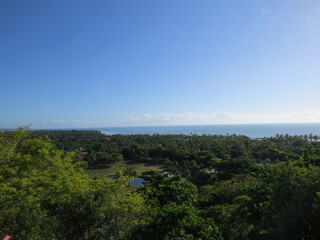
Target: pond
x=136, y=182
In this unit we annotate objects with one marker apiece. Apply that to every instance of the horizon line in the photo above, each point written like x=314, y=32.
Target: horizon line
x=146, y=126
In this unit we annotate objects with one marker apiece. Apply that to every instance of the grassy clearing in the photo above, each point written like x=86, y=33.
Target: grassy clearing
x=138, y=166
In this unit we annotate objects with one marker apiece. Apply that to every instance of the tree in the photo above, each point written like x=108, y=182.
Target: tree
x=171, y=214
x=45, y=195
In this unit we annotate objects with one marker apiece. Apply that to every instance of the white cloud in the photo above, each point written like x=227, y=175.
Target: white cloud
x=312, y=115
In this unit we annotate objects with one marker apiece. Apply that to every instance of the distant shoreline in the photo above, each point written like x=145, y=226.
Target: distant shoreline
x=249, y=130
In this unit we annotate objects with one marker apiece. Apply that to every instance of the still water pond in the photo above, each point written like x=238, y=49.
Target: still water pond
x=136, y=182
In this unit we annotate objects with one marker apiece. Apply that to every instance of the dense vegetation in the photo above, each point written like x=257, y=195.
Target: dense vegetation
x=222, y=187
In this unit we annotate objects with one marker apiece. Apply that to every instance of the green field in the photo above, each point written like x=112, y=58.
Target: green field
x=138, y=166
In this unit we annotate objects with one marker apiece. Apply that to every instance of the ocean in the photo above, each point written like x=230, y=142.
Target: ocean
x=250, y=130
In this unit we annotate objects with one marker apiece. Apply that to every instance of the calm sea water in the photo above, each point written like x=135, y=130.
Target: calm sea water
x=250, y=130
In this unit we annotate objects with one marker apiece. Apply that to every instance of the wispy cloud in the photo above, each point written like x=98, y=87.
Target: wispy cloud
x=264, y=11
x=312, y=115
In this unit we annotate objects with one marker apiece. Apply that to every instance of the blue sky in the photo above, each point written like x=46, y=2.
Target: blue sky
x=76, y=63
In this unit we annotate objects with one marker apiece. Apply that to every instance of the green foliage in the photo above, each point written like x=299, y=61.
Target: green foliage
x=177, y=221
x=294, y=201
x=229, y=168
x=44, y=195
x=219, y=187
x=164, y=189
x=171, y=214
x=187, y=155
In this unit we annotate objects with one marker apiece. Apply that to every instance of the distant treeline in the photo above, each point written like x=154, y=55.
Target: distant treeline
x=192, y=156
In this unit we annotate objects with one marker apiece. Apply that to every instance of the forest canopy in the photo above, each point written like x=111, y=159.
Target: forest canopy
x=214, y=187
